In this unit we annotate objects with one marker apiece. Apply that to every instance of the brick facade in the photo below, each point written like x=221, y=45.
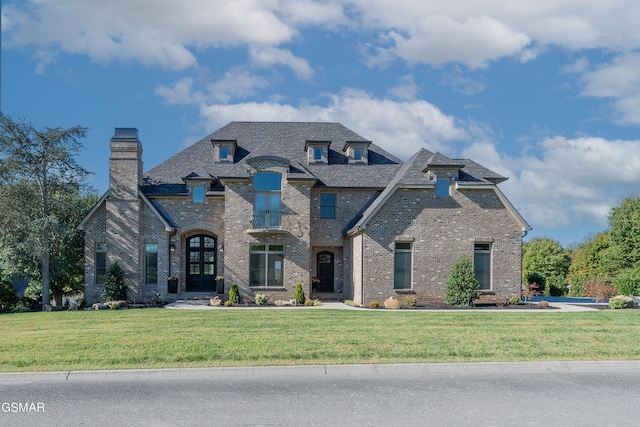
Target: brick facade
x=378, y=201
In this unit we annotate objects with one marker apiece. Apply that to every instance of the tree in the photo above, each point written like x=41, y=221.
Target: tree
x=115, y=289
x=44, y=158
x=624, y=233
x=547, y=258
x=462, y=287
x=590, y=259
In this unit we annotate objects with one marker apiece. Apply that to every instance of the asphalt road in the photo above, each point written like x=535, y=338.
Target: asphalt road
x=479, y=394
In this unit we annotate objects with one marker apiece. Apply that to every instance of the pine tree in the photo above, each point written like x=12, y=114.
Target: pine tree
x=114, y=288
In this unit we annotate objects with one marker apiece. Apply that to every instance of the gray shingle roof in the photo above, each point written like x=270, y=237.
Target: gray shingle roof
x=288, y=140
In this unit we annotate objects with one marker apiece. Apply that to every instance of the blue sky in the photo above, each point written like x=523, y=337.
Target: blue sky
x=546, y=92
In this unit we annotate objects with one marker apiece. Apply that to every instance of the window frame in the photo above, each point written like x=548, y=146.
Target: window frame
x=483, y=252
x=150, y=258
x=403, y=256
x=198, y=193
x=443, y=187
x=317, y=154
x=266, y=255
x=328, y=211
x=269, y=194
x=224, y=153
x=100, y=262
x=358, y=154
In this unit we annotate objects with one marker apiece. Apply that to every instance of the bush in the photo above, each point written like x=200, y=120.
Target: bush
x=514, y=300
x=228, y=303
x=618, y=302
x=411, y=301
x=628, y=282
x=599, y=289
x=312, y=302
x=114, y=288
x=8, y=298
x=462, y=285
x=261, y=299
x=543, y=304
x=234, y=294
x=374, y=304
x=114, y=306
x=350, y=303
x=298, y=294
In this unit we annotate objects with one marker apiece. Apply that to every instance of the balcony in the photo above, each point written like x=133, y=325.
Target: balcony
x=266, y=222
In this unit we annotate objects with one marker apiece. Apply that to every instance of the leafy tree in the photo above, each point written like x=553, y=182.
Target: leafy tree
x=547, y=258
x=114, y=288
x=42, y=161
x=591, y=258
x=624, y=233
x=462, y=287
x=8, y=297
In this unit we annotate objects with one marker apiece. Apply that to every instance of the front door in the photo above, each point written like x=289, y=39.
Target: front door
x=201, y=263
x=325, y=271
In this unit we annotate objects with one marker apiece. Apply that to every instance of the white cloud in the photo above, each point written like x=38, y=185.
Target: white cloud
x=268, y=56
x=406, y=90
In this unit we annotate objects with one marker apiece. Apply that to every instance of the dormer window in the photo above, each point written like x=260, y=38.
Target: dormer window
x=357, y=152
x=224, y=150
x=317, y=152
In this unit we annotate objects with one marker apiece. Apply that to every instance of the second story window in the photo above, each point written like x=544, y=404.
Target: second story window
x=357, y=154
x=267, y=187
x=198, y=194
x=224, y=153
x=442, y=187
x=317, y=153
x=327, y=206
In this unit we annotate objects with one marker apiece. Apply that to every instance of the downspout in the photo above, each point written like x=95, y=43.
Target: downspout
x=361, y=230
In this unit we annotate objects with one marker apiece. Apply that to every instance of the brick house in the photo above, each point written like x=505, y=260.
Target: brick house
x=268, y=205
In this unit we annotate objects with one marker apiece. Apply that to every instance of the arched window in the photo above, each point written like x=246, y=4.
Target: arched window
x=267, y=187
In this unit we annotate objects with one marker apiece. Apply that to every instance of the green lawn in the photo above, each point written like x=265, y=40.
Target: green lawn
x=161, y=338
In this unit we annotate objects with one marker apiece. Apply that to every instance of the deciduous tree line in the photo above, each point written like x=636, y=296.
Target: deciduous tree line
x=603, y=265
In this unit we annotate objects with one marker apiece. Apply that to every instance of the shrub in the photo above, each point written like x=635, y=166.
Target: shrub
x=628, y=282
x=411, y=301
x=462, y=286
x=617, y=302
x=114, y=306
x=543, y=304
x=228, y=303
x=514, y=300
x=298, y=294
x=234, y=294
x=374, y=304
x=114, y=286
x=20, y=308
x=8, y=298
x=312, y=302
x=261, y=299
x=350, y=303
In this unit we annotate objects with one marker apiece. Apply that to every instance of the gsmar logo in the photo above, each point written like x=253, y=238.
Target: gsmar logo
x=22, y=407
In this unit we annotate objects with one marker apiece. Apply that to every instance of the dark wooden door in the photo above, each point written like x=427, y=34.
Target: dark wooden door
x=325, y=271
x=201, y=263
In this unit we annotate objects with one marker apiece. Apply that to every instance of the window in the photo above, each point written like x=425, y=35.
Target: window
x=402, y=266
x=482, y=264
x=357, y=154
x=198, y=194
x=151, y=263
x=265, y=264
x=327, y=206
x=224, y=153
x=101, y=262
x=442, y=187
x=317, y=153
x=267, y=187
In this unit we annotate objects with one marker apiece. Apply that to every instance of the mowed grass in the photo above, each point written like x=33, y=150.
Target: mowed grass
x=162, y=338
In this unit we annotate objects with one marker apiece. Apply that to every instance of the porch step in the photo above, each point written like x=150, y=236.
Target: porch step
x=328, y=296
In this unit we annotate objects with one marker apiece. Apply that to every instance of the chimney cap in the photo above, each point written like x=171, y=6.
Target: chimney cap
x=125, y=134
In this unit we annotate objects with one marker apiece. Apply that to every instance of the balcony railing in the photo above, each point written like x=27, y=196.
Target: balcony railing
x=266, y=220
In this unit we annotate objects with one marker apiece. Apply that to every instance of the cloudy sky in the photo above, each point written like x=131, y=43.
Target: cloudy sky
x=545, y=92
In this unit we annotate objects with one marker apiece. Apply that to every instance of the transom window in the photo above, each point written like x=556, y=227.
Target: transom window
x=267, y=208
x=266, y=264
x=402, y=265
x=327, y=206
x=482, y=264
